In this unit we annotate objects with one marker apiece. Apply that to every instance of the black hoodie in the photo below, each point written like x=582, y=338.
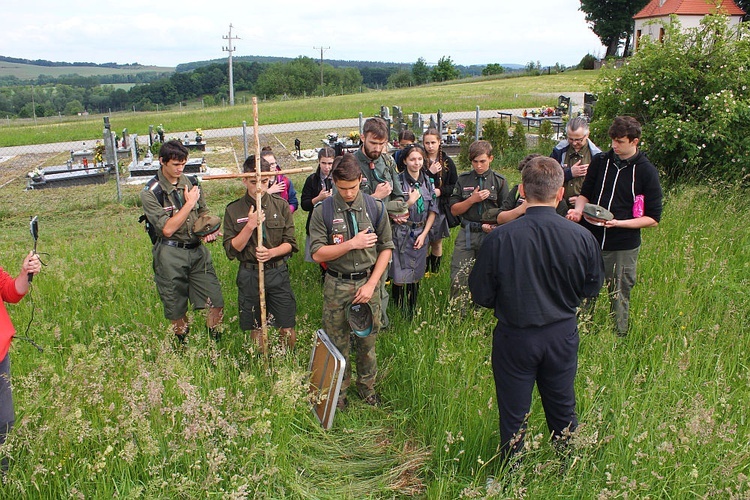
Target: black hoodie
x=614, y=184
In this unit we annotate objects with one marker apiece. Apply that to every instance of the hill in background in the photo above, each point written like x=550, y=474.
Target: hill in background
x=25, y=69
x=475, y=69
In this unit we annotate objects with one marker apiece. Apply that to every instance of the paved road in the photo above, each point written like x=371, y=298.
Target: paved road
x=57, y=147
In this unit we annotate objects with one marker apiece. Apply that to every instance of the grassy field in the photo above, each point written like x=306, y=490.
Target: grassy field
x=110, y=408
x=31, y=71
x=522, y=92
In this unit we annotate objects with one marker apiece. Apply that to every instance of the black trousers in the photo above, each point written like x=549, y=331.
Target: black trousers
x=548, y=358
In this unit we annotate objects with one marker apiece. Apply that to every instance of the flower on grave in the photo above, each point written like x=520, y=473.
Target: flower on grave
x=99, y=152
x=354, y=136
x=160, y=128
x=332, y=136
x=198, y=132
x=37, y=173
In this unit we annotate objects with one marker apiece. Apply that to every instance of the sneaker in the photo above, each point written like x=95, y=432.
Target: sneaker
x=373, y=399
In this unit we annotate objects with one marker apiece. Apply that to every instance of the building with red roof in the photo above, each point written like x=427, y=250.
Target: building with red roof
x=688, y=12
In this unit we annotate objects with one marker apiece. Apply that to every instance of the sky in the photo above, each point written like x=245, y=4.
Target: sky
x=163, y=33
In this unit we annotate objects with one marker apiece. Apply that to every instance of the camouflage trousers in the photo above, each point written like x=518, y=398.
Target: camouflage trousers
x=337, y=296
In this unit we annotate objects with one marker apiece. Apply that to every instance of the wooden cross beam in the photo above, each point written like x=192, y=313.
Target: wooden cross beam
x=255, y=174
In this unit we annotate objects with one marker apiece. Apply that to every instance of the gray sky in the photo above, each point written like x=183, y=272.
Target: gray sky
x=163, y=33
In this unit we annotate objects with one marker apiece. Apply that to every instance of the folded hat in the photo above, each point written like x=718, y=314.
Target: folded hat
x=206, y=224
x=596, y=215
x=360, y=319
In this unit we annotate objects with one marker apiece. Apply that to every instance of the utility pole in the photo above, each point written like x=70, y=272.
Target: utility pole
x=33, y=105
x=229, y=48
x=321, y=68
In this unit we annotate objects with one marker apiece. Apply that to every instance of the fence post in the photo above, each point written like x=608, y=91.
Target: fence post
x=244, y=139
x=361, y=124
x=476, y=132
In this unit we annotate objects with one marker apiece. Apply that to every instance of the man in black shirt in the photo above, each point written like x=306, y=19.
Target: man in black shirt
x=534, y=272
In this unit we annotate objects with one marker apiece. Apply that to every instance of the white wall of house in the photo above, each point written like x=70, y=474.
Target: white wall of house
x=645, y=27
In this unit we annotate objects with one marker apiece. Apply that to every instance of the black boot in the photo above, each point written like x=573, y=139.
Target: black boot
x=412, y=291
x=436, y=263
x=397, y=291
x=430, y=263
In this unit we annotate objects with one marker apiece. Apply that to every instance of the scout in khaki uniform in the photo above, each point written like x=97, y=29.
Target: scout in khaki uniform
x=353, y=236
x=241, y=220
x=477, y=198
x=183, y=270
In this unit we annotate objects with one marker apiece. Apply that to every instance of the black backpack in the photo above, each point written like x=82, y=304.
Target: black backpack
x=153, y=185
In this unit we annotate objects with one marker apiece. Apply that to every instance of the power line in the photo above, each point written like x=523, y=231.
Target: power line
x=229, y=48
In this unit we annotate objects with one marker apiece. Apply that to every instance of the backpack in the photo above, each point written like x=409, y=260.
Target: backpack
x=153, y=185
x=370, y=205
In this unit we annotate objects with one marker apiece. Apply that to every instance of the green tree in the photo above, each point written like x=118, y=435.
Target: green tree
x=690, y=93
x=73, y=107
x=744, y=5
x=420, y=71
x=533, y=68
x=587, y=62
x=518, y=139
x=546, y=136
x=496, y=132
x=612, y=20
x=399, y=79
x=463, y=145
x=493, y=69
x=445, y=70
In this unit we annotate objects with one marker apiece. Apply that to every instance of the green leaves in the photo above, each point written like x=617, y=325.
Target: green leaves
x=689, y=92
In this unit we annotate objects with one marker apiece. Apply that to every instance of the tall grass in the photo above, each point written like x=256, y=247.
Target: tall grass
x=111, y=408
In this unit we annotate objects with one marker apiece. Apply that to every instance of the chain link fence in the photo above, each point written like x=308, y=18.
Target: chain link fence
x=217, y=151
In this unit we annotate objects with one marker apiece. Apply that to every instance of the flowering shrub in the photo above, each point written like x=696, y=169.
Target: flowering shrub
x=690, y=94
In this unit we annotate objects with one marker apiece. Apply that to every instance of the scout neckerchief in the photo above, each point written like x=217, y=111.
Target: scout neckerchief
x=416, y=184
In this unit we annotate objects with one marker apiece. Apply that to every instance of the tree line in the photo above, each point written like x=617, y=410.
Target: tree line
x=299, y=77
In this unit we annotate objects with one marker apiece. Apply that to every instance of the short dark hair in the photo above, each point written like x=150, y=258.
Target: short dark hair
x=542, y=178
x=173, y=150
x=625, y=126
x=406, y=152
x=406, y=135
x=249, y=165
x=377, y=127
x=479, y=148
x=522, y=164
x=346, y=168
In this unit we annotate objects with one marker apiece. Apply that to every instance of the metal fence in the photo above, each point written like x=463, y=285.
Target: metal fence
x=216, y=151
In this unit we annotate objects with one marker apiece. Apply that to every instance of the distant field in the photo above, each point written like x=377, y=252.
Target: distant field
x=30, y=71
x=461, y=95
x=123, y=86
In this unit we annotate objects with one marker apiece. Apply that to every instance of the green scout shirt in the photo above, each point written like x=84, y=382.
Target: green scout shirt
x=573, y=186
x=174, y=198
x=480, y=212
x=278, y=227
x=384, y=171
x=355, y=260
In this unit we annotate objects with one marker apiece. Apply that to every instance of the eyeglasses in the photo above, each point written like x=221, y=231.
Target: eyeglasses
x=577, y=140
